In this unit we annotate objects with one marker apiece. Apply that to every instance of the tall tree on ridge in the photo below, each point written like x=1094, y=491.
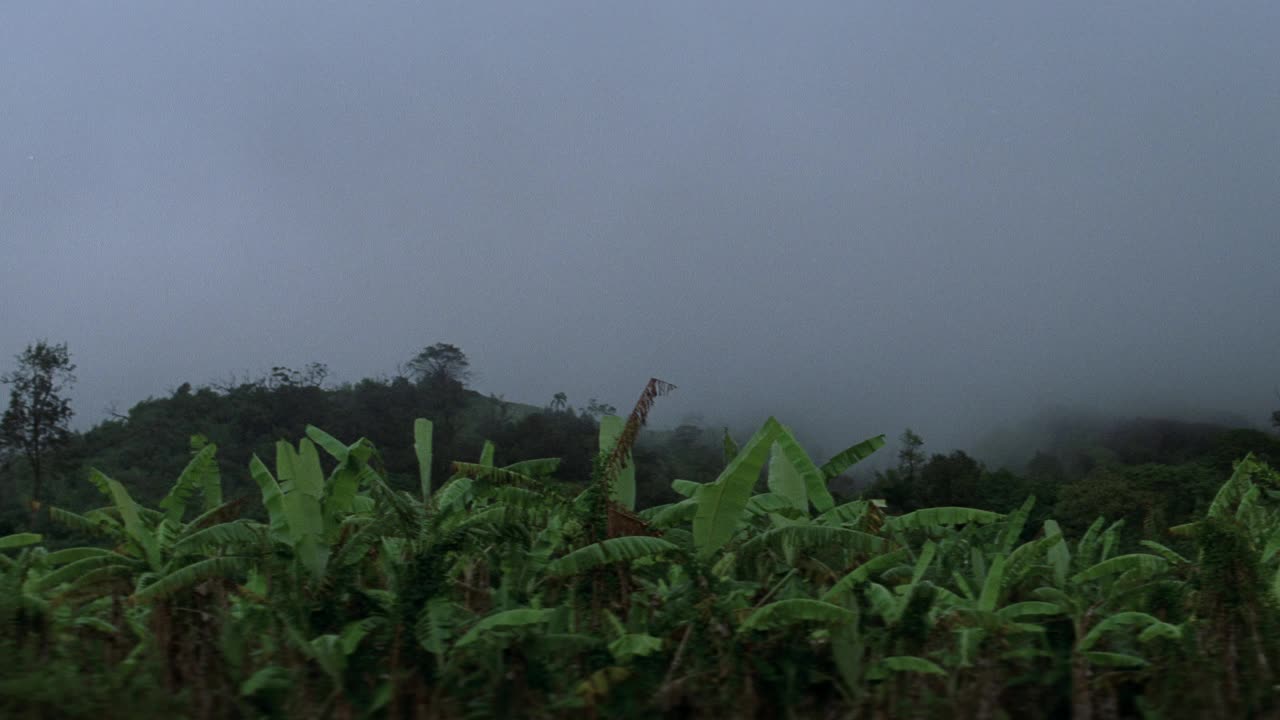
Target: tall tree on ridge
x=37, y=419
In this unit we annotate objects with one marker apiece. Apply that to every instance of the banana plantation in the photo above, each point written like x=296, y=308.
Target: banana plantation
x=508, y=591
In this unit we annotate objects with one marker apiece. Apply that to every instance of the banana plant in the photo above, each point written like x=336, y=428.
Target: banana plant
x=307, y=511
x=1096, y=590
x=1250, y=498
x=795, y=484
x=155, y=552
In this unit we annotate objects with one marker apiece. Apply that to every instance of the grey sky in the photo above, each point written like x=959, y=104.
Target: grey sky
x=856, y=216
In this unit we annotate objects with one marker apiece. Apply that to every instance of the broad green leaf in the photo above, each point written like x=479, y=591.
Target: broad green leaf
x=674, y=514
x=73, y=570
x=340, y=492
x=501, y=515
x=622, y=549
x=1059, y=554
x=687, y=488
x=1116, y=660
x=970, y=639
x=304, y=513
x=772, y=503
x=851, y=456
x=935, y=517
x=721, y=504
x=850, y=513
x=286, y=460
x=730, y=447
x=1029, y=607
x=848, y=650
x=98, y=624
x=313, y=554
x=239, y=534
x=1109, y=539
x=1087, y=548
x=91, y=523
x=815, y=483
x=486, y=454
x=867, y=570
x=422, y=431
x=494, y=474
x=272, y=499
x=70, y=555
x=991, y=585
x=107, y=574
x=923, y=562
x=141, y=535
x=326, y=650
x=1232, y=491
x=1160, y=630
x=796, y=610
x=1026, y=557
x=356, y=631
x=634, y=645
x=454, y=493
x=785, y=482
x=216, y=514
x=436, y=623
x=1168, y=554
x=1056, y=596
x=793, y=540
x=201, y=473
x=305, y=516
x=535, y=467
x=1012, y=531
x=1122, y=563
x=1268, y=551
x=1115, y=622
x=332, y=445
x=191, y=575
x=309, y=479
x=17, y=540
x=506, y=620
x=272, y=677
x=966, y=590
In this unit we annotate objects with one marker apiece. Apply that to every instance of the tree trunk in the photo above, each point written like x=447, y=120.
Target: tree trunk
x=988, y=690
x=37, y=487
x=1109, y=705
x=1081, y=699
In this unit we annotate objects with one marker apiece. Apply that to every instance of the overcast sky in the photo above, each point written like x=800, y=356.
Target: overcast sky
x=856, y=216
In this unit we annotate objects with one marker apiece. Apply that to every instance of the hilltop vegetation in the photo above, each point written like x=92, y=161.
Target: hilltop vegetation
x=148, y=444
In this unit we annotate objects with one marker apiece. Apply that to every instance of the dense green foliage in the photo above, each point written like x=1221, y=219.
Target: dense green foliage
x=503, y=591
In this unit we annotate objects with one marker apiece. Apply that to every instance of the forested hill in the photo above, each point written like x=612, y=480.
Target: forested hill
x=1153, y=472
x=149, y=445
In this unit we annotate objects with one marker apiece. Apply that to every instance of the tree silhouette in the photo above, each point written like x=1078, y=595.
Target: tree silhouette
x=910, y=456
x=442, y=371
x=38, y=415
x=440, y=363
